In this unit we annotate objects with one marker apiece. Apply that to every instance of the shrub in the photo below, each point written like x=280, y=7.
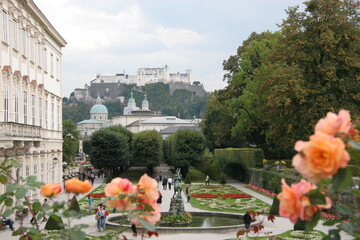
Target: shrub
x=300, y=225
x=222, y=179
x=209, y=167
x=187, y=179
x=54, y=223
x=195, y=175
x=275, y=206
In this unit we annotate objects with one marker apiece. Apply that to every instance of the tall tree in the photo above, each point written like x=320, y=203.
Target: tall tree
x=70, y=141
x=314, y=69
x=187, y=149
x=147, y=148
x=110, y=150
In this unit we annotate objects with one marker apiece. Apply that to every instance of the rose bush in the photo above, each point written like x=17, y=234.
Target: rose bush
x=323, y=161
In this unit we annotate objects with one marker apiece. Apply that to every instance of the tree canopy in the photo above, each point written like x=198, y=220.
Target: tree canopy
x=70, y=141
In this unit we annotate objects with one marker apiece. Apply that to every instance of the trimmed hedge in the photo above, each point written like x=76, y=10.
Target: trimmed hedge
x=210, y=167
x=269, y=180
x=247, y=157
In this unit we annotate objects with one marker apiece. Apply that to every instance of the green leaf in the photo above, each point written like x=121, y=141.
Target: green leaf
x=316, y=197
x=20, y=193
x=77, y=235
x=8, y=212
x=342, y=179
x=312, y=223
x=150, y=227
x=331, y=222
x=36, y=206
x=3, y=179
x=8, y=202
x=347, y=227
x=12, y=187
x=355, y=192
x=324, y=182
x=344, y=210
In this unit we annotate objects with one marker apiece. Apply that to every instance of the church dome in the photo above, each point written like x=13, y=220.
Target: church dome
x=98, y=108
x=145, y=101
x=131, y=99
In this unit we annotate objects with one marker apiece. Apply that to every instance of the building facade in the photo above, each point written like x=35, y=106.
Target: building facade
x=30, y=88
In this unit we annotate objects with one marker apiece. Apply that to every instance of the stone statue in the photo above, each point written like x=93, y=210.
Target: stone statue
x=177, y=184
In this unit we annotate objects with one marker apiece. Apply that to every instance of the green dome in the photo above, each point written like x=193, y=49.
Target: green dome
x=145, y=101
x=98, y=108
x=131, y=99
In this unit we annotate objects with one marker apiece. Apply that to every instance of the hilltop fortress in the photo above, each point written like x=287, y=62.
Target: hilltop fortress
x=111, y=87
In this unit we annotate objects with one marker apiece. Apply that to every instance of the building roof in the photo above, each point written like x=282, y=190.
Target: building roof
x=170, y=130
x=89, y=121
x=98, y=108
x=167, y=120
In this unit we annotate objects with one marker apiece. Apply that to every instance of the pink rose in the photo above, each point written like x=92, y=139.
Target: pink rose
x=116, y=188
x=333, y=124
x=148, y=189
x=151, y=217
x=294, y=204
x=320, y=157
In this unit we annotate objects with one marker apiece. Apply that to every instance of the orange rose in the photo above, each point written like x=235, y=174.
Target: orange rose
x=294, y=204
x=151, y=217
x=74, y=185
x=148, y=188
x=333, y=124
x=321, y=157
x=50, y=190
x=116, y=188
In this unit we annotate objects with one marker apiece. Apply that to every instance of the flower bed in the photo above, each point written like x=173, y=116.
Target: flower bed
x=97, y=195
x=223, y=196
x=262, y=190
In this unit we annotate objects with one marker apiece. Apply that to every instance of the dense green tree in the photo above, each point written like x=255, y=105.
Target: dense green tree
x=76, y=112
x=70, y=141
x=147, y=148
x=187, y=148
x=313, y=70
x=87, y=148
x=110, y=150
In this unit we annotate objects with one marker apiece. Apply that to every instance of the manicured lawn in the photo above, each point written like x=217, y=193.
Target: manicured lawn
x=238, y=205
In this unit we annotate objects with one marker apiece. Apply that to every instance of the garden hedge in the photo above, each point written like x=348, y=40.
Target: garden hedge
x=269, y=180
x=247, y=157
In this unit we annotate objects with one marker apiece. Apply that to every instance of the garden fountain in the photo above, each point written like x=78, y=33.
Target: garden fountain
x=209, y=222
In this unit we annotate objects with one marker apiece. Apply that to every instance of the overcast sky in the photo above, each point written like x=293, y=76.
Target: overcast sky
x=110, y=36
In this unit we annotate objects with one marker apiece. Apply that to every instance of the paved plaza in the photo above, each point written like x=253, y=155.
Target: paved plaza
x=279, y=226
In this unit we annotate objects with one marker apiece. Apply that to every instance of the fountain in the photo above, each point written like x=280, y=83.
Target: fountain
x=209, y=222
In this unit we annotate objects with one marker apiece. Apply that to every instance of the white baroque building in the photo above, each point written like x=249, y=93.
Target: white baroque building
x=146, y=76
x=30, y=88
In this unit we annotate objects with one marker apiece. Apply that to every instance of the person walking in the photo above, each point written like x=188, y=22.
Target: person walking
x=170, y=181
x=92, y=178
x=207, y=180
x=160, y=176
x=187, y=193
x=44, y=205
x=159, y=200
x=90, y=201
x=101, y=216
x=247, y=220
x=164, y=182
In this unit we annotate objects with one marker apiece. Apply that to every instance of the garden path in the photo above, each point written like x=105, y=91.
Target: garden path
x=279, y=226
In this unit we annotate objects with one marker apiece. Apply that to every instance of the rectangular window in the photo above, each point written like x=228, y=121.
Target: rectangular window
x=25, y=107
x=5, y=26
x=35, y=169
x=40, y=112
x=52, y=116
x=33, y=109
x=58, y=117
x=24, y=38
x=32, y=50
x=6, y=102
x=46, y=114
x=27, y=171
x=45, y=59
x=15, y=34
x=39, y=54
x=57, y=68
x=51, y=64
x=16, y=105
x=42, y=172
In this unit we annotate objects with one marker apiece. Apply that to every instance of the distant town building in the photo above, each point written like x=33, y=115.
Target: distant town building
x=31, y=103
x=112, y=87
